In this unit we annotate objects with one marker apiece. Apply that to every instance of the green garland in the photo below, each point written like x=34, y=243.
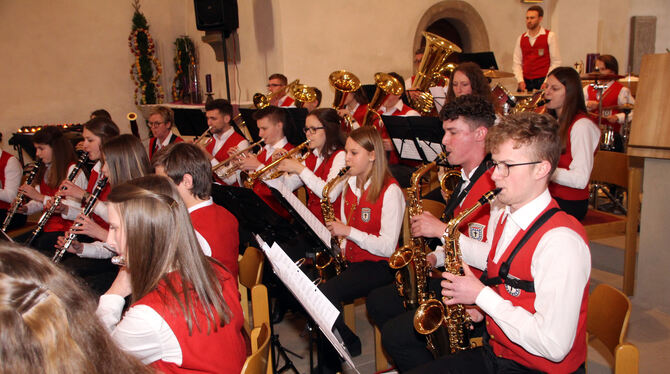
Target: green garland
x=142, y=70
x=185, y=55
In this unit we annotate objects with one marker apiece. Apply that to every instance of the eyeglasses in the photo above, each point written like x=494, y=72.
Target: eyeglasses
x=312, y=130
x=154, y=124
x=503, y=167
x=274, y=85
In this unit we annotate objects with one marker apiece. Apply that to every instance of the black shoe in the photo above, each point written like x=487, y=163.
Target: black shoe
x=278, y=313
x=351, y=341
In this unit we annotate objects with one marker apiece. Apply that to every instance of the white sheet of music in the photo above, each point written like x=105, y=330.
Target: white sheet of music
x=307, y=293
x=314, y=223
x=431, y=150
x=406, y=149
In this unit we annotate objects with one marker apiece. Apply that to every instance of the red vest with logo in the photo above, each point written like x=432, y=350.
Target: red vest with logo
x=153, y=147
x=313, y=201
x=220, y=229
x=610, y=99
x=520, y=268
x=92, y=180
x=221, y=351
x=3, y=164
x=565, y=192
x=535, y=58
x=365, y=216
x=262, y=190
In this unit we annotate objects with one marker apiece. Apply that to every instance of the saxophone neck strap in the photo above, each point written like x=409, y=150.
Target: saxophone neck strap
x=503, y=272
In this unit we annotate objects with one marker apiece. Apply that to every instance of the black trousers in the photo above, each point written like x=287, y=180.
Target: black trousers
x=575, y=208
x=533, y=84
x=18, y=221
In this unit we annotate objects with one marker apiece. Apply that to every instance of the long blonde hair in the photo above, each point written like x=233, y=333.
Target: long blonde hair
x=368, y=137
x=160, y=240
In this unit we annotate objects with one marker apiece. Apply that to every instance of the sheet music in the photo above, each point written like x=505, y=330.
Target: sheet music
x=430, y=149
x=407, y=149
x=312, y=299
x=314, y=223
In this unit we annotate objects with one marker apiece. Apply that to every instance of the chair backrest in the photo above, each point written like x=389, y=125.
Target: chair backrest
x=257, y=362
x=626, y=359
x=610, y=167
x=260, y=307
x=608, y=314
x=435, y=208
x=251, y=267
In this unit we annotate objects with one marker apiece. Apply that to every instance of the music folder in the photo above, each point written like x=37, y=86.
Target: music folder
x=415, y=138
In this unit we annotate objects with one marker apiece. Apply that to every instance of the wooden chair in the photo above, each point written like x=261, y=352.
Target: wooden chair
x=250, y=274
x=607, y=320
x=257, y=362
x=614, y=168
x=260, y=313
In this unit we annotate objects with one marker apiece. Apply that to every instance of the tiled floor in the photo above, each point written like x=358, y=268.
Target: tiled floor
x=649, y=329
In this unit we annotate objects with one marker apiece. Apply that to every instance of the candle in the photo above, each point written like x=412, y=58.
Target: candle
x=208, y=81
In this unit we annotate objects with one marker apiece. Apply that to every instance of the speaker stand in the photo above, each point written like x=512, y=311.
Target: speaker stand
x=225, y=62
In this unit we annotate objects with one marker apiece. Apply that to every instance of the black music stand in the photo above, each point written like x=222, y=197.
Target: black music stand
x=485, y=60
x=415, y=138
x=190, y=121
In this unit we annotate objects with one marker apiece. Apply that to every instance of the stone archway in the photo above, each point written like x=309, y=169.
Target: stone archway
x=463, y=17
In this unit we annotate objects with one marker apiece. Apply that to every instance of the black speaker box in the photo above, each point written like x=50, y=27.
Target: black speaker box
x=216, y=15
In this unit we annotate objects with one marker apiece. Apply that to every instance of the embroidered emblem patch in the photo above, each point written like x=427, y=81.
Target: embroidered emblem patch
x=511, y=290
x=365, y=214
x=476, y=231
x=540, y=52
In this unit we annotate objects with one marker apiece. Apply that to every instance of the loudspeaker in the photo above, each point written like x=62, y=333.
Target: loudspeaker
x=216, y=15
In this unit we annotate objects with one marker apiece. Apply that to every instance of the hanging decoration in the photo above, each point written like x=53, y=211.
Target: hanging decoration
x=146, y=69
x=184, y=84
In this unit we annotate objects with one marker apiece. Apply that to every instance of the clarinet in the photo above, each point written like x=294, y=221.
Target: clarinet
x=88, y=209
x=47, y=214
x=20, y=197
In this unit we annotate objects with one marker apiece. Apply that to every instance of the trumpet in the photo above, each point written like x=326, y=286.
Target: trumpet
x=18, y=201
x=263, y=100
x=205, y=138
x=344, y=84
x=227, y=165
x=270, y=168
x=386, y=85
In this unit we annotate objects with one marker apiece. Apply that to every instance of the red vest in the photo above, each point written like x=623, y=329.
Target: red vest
x=222, y=351
x=220, y=229
x=153, y=147
x=262, y=190
x=359, y=114
x=313, y=201
x=535, y=58
x=520, y=268
x=3, y=164
x=56, y=222
x=565, y=192
x=610, y=98
x=92, y=180
x=287, y=102
x=232, y=141
x=365, y=216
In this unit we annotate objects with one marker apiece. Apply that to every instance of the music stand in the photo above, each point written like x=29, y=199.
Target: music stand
x=485, y=60
x=415, y=138
x=190, y=121
x=295, y=122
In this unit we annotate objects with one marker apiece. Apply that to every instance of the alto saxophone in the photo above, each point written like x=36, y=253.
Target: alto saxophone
x=433, y=314
x=410, y=260
x=88, y=209
x=20, y=197
x=331, y=264
x=271, y=167
x=47, y=214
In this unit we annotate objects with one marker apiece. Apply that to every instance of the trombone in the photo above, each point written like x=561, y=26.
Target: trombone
x=386, y=85
x=344, y=84
x=229, y=167
x=263, y=100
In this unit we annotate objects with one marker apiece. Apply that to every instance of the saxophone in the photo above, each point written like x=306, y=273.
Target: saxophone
x=433, y=314
x=88, y=209
x=47, y=214
x=20, y=197
x=410, y=260
x=333, y=263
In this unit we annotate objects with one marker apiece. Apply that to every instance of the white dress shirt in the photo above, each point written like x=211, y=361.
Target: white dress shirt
x=554, y=54
x=393, y=210
x=220, y=140
x=13, y=173
x=584, y=140
x=560, y=266
x=314, y=183
x=35, y=206
x=206, y=249
x=74, y=207
x=396, y=108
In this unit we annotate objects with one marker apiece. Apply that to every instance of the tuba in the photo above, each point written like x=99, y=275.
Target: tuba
x=432, y=314
x=263, y=100
x=331, y=264
x=344, y=84
x=302, y=94
x=410, y=260
x=269, y=172
x=20, y=198
x=386, y=85
x=431, y=68
x=534, y=103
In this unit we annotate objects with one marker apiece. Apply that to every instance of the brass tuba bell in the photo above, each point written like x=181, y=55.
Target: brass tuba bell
x=302, y=94
x=431, y=68
x=386, y=85
x=344, y=83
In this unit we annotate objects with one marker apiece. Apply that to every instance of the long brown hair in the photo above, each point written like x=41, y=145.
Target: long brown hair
x=126, y=159
x=478, y=82
x=102, y=127
x=573, y=103
x=330, y=121
x=62, y=154
x=46, y=313
x=368, y=137
x=160, y=240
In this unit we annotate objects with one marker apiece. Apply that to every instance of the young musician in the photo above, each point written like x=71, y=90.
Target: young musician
x=370, y=220
x=579, y=138
x=466, y=121
x=215, y=227
x=10, y=179
x=536, y=311
x=185, y=313
x=312, y=105
x=322, y=128
x=277, y=83
x=439, y=91
x=394, y=106
x=56, y=152
x=219, y=113
x=160, y=122
x=47, y=324
x=355, y=105
x=468, y=79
